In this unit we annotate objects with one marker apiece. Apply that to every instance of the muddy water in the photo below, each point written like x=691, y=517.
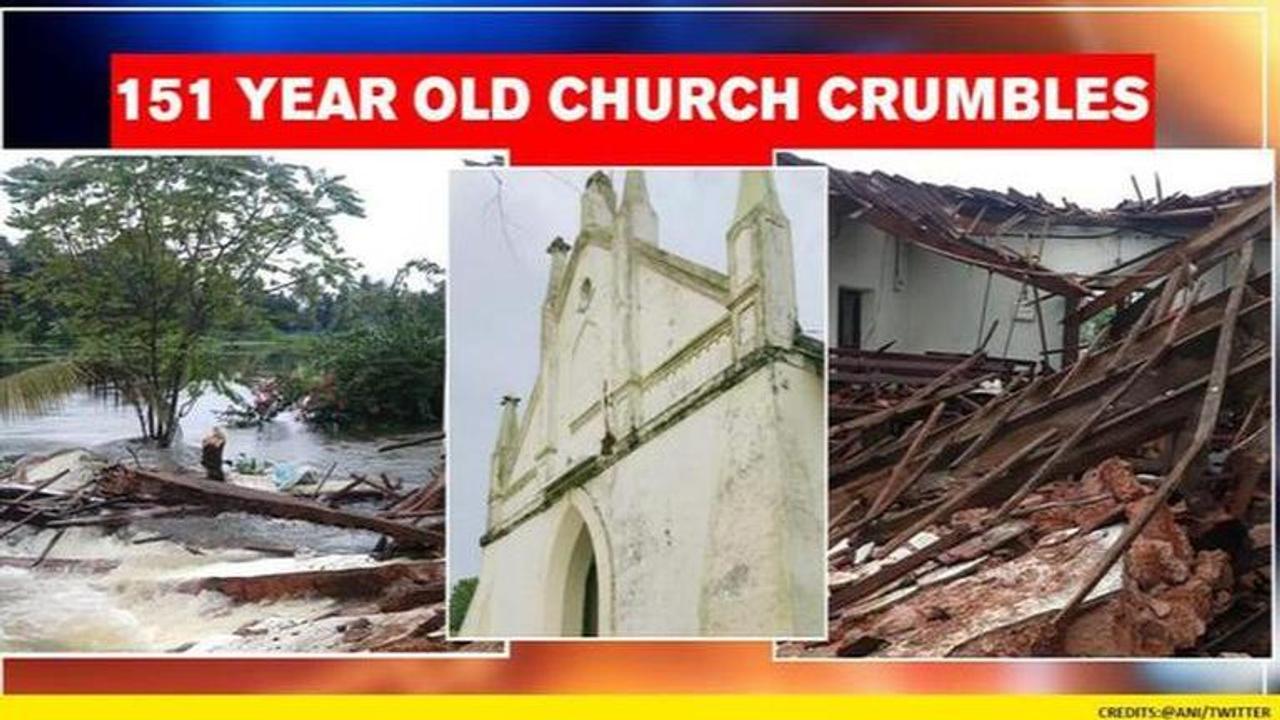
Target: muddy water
x=102, y=424
x=131, y=608
x=134, y=607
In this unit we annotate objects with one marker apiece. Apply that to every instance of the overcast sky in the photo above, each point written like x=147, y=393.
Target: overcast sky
x=501, y=222
x=1095, y=179
x=405, y=197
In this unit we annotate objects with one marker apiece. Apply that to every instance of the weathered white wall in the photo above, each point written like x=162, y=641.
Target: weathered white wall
x=701, y=530
x=936, y=303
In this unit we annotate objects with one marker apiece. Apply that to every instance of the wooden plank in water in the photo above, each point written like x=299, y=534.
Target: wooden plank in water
x=343, y=583
x=168, y=488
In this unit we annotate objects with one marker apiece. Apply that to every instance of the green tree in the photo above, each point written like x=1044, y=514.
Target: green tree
x=148, y=258
x=23, y=319
x=383, y=363
x=460, y=601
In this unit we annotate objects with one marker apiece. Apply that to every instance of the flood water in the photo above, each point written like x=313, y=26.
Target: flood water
x=103, y=424
x=132, y=606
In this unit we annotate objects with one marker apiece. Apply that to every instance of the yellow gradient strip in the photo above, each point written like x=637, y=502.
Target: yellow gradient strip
x=634, y=707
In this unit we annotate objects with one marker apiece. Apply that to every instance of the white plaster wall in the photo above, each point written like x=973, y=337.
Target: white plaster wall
x=946, y=309
x=582, y=342
x=765, y=564
x=501, y=570
x=861, y=259
x=676, y=570
x=1218, y=278
x=669, y=315
x=938, y=305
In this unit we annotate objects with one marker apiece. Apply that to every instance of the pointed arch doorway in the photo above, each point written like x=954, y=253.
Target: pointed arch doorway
x=578, y=583
x=582, y=589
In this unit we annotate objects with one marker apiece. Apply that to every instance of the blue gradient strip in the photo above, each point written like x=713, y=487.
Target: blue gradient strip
x=423, y=3
x=57, y=73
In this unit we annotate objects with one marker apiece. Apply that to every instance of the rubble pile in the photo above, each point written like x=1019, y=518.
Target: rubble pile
x=1119, y=505
x=388, y=599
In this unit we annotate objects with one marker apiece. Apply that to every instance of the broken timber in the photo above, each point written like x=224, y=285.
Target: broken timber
x=342, y=583
x=1241, y=224
x=187, y=490
x=1177, y=376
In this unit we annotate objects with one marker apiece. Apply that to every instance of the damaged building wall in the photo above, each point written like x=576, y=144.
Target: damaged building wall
x=910, y=262
x=923, y=301
x=665, y=478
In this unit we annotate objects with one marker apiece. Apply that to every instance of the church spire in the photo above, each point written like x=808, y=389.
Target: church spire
x=559, y=252
x=599, y=203
x=761, y=268
x=756, y=190
x=504, y=449
x=637, y=220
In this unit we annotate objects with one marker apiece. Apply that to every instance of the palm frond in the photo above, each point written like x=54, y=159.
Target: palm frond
x=39, y=388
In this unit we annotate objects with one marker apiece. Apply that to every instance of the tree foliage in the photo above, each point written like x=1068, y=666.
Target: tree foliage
x=388, y=367
x=35, y=389
x=24, y=319
x=460, y=601
x=377, y=362
x=145, y=259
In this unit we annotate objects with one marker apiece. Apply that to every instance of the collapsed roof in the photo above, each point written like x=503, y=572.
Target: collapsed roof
x=967, y=224
x=1120, y=505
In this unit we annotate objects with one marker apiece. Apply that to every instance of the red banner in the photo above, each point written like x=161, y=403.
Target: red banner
x=632, y=109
